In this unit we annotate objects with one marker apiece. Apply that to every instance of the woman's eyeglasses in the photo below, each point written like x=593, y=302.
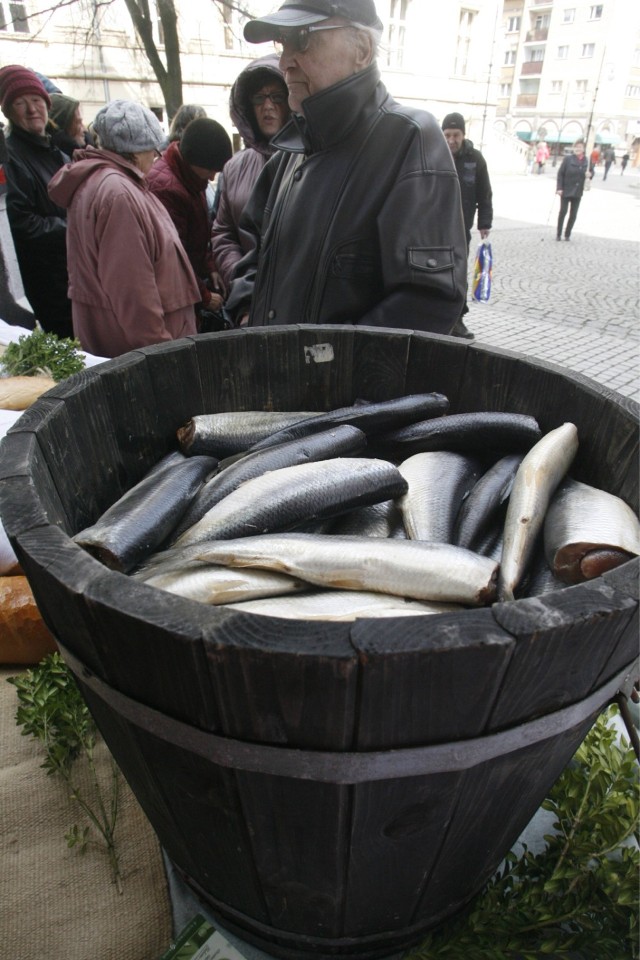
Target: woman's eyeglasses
x=259, y=99
x=297, y=41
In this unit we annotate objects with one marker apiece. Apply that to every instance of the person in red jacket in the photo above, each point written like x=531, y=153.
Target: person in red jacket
x=179, y=179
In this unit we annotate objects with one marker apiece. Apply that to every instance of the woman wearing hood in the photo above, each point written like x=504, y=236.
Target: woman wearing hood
x=258, y=107
x=130, y=280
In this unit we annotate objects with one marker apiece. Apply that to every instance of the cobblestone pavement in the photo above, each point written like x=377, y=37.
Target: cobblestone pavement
x=572, y=303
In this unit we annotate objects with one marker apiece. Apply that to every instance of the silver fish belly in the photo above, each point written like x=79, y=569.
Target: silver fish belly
x=438, y=482
x=537, y=478
x=341, y=605
x=224, y=434
x=405, y=568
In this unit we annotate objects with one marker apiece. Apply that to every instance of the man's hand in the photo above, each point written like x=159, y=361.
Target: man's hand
x=484, y=234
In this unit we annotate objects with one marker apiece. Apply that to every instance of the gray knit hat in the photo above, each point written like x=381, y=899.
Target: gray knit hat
x=124, y=126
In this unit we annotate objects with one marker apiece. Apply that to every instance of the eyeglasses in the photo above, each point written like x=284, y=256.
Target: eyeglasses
x=259, y=99
x=298, y=40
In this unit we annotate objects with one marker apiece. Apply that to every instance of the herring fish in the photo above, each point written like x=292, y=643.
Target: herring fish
x=488, y=497
x=464, y=432
x=406, y=568
x=537, y=478
x=369, y=417
x=438, y=481
x=588, y=531
x=141, y=520
x=224, y=434
x=336, y=442
x=280, y=499
x=377, y=520
x=342, y=605
x=208, y=583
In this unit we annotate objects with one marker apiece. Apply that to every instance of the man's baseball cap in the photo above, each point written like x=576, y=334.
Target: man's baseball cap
x=302, y=13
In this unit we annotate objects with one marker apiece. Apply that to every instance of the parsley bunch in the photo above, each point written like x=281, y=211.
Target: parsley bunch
x=52, y=710
x=43, y=354
x=579, y=897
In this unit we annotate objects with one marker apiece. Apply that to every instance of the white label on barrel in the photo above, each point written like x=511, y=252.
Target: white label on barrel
x=321, y=353
x=218, y=948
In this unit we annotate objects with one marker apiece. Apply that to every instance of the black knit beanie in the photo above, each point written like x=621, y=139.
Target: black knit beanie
x=453, y=121
x=205, y=143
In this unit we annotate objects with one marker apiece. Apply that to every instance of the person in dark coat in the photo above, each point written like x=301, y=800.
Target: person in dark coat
x=38, y=225
x=357, y=216
x=475, y=190
x=570, y=186
x=258, y=107
x=66, y=126
x=179, y=179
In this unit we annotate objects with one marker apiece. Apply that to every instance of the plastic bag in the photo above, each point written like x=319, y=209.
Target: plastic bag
x=482, y=271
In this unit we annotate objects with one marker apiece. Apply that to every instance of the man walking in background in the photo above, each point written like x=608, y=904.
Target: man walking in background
x=475, y=190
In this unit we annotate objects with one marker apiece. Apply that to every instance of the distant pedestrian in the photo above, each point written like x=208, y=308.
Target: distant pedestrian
x=475, y=191
x=609, y=159
x=130, y=280
x=623, y=163
x=594, y=160
x=570, y=185
x=542, y=155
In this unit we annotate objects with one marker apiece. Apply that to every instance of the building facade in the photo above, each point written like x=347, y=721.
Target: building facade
x=569, y=69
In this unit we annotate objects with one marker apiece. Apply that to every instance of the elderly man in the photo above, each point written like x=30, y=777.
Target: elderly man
x=357, y=218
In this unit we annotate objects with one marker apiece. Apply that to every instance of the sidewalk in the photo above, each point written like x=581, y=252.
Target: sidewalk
x=574, y=304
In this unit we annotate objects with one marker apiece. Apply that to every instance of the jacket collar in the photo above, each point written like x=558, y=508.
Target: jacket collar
x=330, y=115
x=43, y=143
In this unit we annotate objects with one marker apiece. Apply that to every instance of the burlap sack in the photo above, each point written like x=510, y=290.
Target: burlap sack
x=58, y=903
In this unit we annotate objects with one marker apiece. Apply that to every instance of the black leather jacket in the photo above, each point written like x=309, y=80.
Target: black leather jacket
x=357, y=219
x=39, y=228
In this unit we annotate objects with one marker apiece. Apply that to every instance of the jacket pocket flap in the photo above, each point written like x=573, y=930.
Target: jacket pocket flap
x=431, y=259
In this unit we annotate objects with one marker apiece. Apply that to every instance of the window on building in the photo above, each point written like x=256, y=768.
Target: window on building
x=510, y=57
x=587, y=49
x=13, y=16
x=595, y=13
x=542, y=21
x=636, y=57
x=556, y=86
x=581, y=86
x=569, y=15
x=158, y=34
x=505, y=90
x=537, y=55
x=465, y=30
x=397, y=29
x=633, y=91
x=562, y=53
x=513, y=24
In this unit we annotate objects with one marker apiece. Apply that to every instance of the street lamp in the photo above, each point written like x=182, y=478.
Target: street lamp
x=486, y=99
x=589, y=146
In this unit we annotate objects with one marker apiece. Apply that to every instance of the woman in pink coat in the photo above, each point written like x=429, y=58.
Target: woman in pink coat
x=130, y=280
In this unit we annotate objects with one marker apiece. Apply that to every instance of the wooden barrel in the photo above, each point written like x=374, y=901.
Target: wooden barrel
x=329, y=789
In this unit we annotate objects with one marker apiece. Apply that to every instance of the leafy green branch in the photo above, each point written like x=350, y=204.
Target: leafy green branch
x=43, y=354
x=579, y=896
x=51, y=709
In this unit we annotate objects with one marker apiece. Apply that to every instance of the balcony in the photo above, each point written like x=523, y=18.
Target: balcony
x=537, y=36
x=531, y=68
x=542, y=3
x=529, y=100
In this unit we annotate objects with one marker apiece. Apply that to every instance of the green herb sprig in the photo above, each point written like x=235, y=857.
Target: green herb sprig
x=43, y=354
x=51, y=709
x=579, y=896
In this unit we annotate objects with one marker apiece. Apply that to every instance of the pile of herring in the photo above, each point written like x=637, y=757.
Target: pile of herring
x=378, y=509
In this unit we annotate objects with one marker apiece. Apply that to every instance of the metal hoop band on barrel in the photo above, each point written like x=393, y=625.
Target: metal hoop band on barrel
x=331, y=767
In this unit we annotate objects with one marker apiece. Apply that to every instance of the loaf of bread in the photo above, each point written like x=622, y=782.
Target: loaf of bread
x=18, y=393
x=24, y=638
